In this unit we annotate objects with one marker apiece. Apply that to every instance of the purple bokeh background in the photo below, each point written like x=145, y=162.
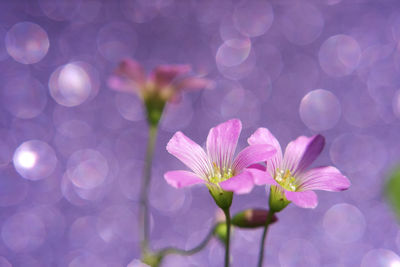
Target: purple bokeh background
x=71, y=150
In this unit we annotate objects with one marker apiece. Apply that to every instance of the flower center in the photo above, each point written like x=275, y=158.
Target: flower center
x=219, y=175
x=285, y=179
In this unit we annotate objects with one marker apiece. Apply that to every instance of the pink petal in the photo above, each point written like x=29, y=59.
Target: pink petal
x=261, y=177
x=190, y=153
x=301, y=152
x=264, y=136
x=324, y=178
x=122, y=84
x=131, y=69
x=179, y=179
x=242, y=183
x=257, y=166
x=164, y=75
x=192, y=84
x=222, y=141
x=253, y=154
x=303, y=199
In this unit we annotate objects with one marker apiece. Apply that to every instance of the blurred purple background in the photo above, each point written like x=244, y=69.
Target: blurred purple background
x=71, y=149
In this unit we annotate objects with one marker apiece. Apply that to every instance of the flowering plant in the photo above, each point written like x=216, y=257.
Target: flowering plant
x=218, y=167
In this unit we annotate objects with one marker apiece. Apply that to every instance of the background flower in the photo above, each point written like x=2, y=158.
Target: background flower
x=165, y=81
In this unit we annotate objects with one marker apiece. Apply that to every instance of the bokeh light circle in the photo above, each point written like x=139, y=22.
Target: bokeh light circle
x=233, y=52
x=23, y=232
x=354, y=153
x=24, y=97
x=239, y=71
x=177, y=116
x=344, y=223
x=70, y=85
x=253, y=18
x=363, y=112
x=139, y=11
x=87, y=260
x=172, y=200
x=117, y=223
x=83, y=234
x=130, y=107
x=380, y=258
x=339, y=55
x=116, y=41
x=298, y=252
x=87, y=168
x=27, y=42
x=34, y=160
x=302, y=23
x=320, y=110
x=60, y=10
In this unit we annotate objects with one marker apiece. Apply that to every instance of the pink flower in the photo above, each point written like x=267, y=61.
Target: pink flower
x=291, y=178
x=218, y=168
x=165, y=82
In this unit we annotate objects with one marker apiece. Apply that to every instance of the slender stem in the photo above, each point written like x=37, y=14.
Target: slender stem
x=145, y=186
x=228, y=235
x=261, y=253
x=199, y=247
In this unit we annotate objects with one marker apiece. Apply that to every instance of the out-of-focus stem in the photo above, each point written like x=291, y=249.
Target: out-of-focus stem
x=144, y=192
x=267, y=223
x=198, y=248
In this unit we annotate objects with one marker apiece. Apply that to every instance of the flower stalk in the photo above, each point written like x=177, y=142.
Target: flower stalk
x=198, y=248
x=228, y=235
x=268, y=221
x=144, y=192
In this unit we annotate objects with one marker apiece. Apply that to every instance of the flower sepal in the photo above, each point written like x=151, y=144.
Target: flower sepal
x=221, y=197
x=252, y=218
x=277, y=199
x=154, y=108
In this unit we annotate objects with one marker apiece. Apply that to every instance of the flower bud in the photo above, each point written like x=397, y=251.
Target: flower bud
x=252, y=218
x=220, y=232
x=151, y=259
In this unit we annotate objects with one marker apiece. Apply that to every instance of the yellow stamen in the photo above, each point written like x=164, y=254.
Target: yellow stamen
x=219, y=175
x=286, y=180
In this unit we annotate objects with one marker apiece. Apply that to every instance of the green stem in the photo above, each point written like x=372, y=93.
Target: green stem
x=144, y=192
x=228, y=235
x=198, y=248
x=267, y=223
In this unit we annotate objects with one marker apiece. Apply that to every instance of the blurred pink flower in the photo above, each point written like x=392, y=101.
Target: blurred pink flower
x=291, y=179
x=218, y=168
x=165, y=82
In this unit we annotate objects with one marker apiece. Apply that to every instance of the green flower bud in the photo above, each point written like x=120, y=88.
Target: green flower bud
x=252, y=218
x=220, y=232
x=151, y=259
